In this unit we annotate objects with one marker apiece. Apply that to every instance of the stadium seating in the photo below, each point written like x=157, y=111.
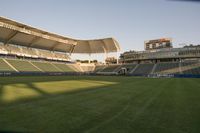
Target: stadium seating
x=61, y=56
x=87, y=68
x=99, y=68
x=31, y=52
x=9, y=65
x=23, y=66
x=129, y=67
x=111, y=68
x=46, y=67
x=3, y=50
x=143, y=69
x=4, y=67
x=64, y=67
x=167, y=68
x=28, y=52
x=46, y=54
x=14, y=50
x=190, y=68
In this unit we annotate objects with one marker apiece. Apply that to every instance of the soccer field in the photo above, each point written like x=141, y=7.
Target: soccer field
x=103, y=104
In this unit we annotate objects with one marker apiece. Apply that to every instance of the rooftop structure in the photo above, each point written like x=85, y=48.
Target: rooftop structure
x=12, y=32
x=158, y=44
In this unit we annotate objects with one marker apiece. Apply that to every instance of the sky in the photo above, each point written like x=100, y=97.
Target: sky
x=130, y=22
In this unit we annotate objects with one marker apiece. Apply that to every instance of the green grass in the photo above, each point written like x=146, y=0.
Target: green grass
x=99, y=104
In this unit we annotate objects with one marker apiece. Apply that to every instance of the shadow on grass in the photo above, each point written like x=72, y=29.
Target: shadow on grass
x=40, y=93
x=53, y=110
x=9, y=131
x=30, y=84
x=31, y=79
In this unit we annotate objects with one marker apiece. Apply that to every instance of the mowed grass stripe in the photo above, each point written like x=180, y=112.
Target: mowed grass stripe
x=129, y=105
x=171, y=111
x=133, y=110
x=71, y=102
x=149, y=119
x=122, y=101
x=189, y=104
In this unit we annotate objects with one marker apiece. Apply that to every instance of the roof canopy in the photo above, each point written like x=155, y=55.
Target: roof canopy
x=12, y=32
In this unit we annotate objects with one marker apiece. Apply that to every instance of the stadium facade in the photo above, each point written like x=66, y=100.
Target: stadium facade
x=162, y=55
x=25, y=50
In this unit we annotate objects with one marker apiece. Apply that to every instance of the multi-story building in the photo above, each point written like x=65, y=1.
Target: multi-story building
x=158, y=44
x=164, y=52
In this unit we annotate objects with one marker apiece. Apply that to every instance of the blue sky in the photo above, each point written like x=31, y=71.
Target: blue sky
x=129, y=21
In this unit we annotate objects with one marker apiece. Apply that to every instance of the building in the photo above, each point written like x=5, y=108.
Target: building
x=158, y=44
x=161, y=55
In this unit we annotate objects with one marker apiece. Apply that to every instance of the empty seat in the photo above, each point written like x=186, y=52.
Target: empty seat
x=64, y=67
x=167, y=68
x=110, y=68
x=23, y=66
x=129, y=67
x=46, y=67
x=99, y=68
x=143, y=69
x=190, y=68
x=4, y=67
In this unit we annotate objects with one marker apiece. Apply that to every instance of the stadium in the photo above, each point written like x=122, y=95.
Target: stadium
x=43, y=90
x=26, y=51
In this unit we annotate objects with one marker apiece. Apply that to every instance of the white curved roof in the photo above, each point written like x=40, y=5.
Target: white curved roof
x=24, y=35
